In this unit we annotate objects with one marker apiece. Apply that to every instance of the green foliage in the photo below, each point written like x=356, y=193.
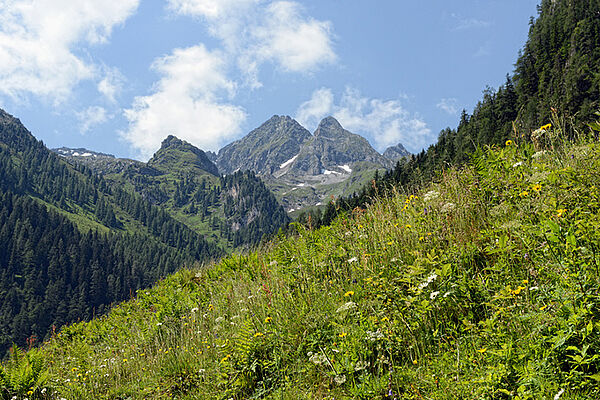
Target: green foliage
x=24, y=375
x=483, y=286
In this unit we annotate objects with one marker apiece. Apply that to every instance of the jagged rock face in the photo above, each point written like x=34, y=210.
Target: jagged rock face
x=176, y=154
x=332, y=147
x=266, y=148
x=395, y=153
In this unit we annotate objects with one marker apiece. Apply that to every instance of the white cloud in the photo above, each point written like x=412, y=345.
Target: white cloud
x=463, y=23
x=385, y=123
x=38, y=40
x=319, y=106
x=90, y=117
x=295, y=43
x=112, y=84
x=187, y=102
x=257, y=31
x=449, y=105
x=211, y=9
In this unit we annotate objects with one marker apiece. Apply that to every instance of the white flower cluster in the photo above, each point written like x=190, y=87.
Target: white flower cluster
x=431, y=195
x=373, y=336
x=346, y=306
x=430, y=279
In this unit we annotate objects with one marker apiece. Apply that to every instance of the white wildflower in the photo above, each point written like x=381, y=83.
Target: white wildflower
x=531, y=289
x=353, y=259
x=433, y=295
x=446, y=208
x=340, y=379
x=195, y=310
x=347, y=306
x=373, y=336
x=539, y=154
x=430, y=279
x=360, y=365
x=517, y=164
x=317, y=358
x=560, y=392
x=431, y=195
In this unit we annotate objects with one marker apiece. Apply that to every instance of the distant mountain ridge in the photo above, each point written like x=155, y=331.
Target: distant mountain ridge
x=301, y=168
x=234, y=209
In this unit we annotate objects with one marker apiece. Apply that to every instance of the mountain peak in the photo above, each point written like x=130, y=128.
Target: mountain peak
x=171, y=140
x=265, y=148
x=178, y=154
x=395, y=153
x=329, y=123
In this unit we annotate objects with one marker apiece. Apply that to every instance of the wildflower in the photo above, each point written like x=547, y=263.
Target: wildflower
x=415, y=362
x=349, y=293
x=560, y=212
x=430, y=279
x=353, y=259
x=448, y=207
x=346, y=306
x=560, y=392
x=340, y=379
x=343, y=335
x=195, y=309
x=517, y=164
x=509, y=142
x=268, y=319
x=210, y=307
x=431, y=195
x=537, y=187
x=524, y=193
x=482, y=350
x=408, y=226
x=433, y=295
x=545, y=127
x=258, y=334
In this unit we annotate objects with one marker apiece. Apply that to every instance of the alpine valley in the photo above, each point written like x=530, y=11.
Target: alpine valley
x=303, y=170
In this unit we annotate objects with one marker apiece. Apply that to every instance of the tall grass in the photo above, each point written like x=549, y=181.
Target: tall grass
x=483, y=286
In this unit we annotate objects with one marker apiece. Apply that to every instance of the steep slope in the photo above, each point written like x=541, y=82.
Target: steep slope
x=396, y=153
x=304, y=170
x=71, y=243
x=264, y=149
x=177, y=154
x=333, y=148
x=234, y=210
x=556, y=81
x=485, y=285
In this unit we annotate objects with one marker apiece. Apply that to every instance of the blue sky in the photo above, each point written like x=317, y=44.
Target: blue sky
x=118, y=76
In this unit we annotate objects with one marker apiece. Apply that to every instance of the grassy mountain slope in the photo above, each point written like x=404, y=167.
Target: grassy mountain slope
x=557, y=72
x=484, y=286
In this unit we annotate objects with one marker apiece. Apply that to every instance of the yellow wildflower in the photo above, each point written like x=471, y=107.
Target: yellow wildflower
x=524, y=193
x=349, y=293
x=545, y=127
x=482, y=350
x=268, y=319
x=258, y=334
x=509, y=142
x=343, y=335
x=537, y=187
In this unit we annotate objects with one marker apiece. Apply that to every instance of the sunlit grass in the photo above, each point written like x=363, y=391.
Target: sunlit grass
x=482, y=286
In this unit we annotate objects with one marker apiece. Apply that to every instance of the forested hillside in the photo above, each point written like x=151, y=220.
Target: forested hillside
x=556, y=74
x=71, y=243
x=235, y=210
